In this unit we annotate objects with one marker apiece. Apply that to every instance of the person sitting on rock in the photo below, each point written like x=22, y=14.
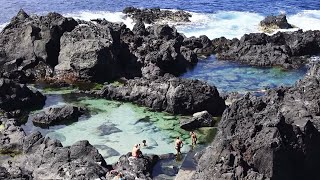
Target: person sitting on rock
x=136, y=151
x=179, y=145
x=193, y=138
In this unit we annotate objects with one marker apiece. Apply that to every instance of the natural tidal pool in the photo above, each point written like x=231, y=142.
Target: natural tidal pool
x=114, y=127
x=229, y=76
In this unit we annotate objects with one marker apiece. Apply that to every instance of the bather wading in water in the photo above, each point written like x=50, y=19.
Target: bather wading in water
x=193, y=138
x=178, y=145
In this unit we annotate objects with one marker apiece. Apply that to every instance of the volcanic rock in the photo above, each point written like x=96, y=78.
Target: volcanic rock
x=270, y=137
x=285, y=49
x=57, y=115
x=174, y=95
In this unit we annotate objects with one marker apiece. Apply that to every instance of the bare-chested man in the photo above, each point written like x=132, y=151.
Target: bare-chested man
x=179, y=145
x=193, y=138
x=136, y=151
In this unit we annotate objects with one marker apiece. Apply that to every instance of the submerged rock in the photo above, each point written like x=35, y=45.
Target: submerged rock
x=271, y=23
x=14, y=96
x=107, y=129
x=57, y=115
x=174, y=95
x=285, y=49
x=199, y=119
x=155, y=15
x=270, y=137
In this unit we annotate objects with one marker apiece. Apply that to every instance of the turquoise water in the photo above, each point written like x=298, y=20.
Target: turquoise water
x=233, y=77
x=114, y=127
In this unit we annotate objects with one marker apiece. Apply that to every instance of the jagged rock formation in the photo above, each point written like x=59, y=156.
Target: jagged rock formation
x=270, y=137
x=131, y=167
x=271, y=23
x=52, y=46
x=38, y=157
x=18, y=97
x=57, y=115
x=174, y=95
x=32, y=43
x=155, y=15
x=198, y=120
x=285, y=49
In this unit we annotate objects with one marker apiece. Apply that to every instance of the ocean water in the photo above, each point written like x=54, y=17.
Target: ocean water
x=210, y=17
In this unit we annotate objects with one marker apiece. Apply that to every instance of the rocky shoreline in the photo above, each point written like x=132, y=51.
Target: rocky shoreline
x=269, y=137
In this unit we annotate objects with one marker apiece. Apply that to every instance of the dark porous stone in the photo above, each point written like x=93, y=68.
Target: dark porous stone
x=155, y=15
x=199, y=119
x=57, y=115
x=15, y=96
x=270, y=137
x=275, y=22
x=285, y=49
x=174, y=95
x=132, y=168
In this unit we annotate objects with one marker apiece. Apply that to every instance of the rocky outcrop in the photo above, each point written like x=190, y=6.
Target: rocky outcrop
x=55, y=47
x=14, y=96
x=132, y=168
x=155, y=15
x=271, y=23
x=200, y=46
x=174, y=95
x=11, y=137
x=29, y=40
x=43, y=158
x=198, y=120
x=57, y=115
x=270, y=137
x=285, y=49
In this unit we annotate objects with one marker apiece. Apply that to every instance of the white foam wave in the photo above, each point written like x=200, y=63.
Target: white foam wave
x=2, y=26
x=109, y=16
x=229, y=24
x=306, y=20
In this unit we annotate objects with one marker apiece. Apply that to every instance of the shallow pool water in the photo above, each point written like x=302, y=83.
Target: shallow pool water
x=114, y=127
x=229, y=76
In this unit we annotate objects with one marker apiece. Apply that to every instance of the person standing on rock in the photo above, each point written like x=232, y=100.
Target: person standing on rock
x=193, y=138
x=179, y=145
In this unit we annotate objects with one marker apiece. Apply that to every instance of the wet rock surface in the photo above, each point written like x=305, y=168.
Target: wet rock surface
x=175, y=95
x=57, y=115
x=132, y=168
x=270, y=137
x=18, y=97
x=271, y=23
x=285, y=49
x=43, y=158
x=155, y=15
x=198, y=120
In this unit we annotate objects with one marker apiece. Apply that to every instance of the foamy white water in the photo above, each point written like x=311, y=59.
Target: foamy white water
x=2, y=26
x=230, y=24
x=306, y=20
x=109, y=16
